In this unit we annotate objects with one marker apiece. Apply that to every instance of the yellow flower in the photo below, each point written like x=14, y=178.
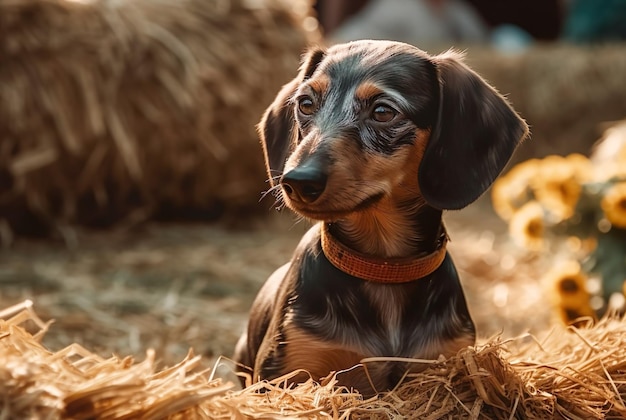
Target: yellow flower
x=614, y=205
x=511, y=191
x=557, y=187
x=581, y=167
x=609, y=154
x=526, y=226
x=567, y=286
x=621, y=153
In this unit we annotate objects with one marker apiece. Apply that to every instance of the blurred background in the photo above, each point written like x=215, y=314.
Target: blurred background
x=131, y=174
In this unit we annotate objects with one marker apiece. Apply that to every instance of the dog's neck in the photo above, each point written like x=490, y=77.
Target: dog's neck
x=391, y=230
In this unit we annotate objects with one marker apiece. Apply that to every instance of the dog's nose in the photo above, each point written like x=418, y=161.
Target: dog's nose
x=304, y=184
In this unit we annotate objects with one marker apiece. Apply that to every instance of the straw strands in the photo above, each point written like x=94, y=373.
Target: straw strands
x=120, y=110
x=571, y=373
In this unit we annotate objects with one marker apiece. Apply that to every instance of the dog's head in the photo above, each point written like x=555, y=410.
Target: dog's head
x=368, y=119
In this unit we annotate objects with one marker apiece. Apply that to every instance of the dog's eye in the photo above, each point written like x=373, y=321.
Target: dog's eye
x=306, y=105
x=383, y=113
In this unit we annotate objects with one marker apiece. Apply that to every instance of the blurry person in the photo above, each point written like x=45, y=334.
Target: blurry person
x=413, y=21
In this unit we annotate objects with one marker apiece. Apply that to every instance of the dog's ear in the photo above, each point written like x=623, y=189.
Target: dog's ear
x=277, y=128
x=474, y=137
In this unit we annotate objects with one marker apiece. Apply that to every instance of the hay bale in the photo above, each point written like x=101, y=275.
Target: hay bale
x=565, y=92
x=569, y=374
x=114, y=110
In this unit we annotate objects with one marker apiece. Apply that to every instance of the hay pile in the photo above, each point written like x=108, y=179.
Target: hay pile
x=121, y=110
x=574, y=374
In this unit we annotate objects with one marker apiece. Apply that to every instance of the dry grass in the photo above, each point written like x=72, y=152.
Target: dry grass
x=571, y=374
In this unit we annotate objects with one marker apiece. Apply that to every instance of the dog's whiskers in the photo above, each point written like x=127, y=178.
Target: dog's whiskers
x=276, y=171
x=278, y=205
x=277, y=192
x=298, y=219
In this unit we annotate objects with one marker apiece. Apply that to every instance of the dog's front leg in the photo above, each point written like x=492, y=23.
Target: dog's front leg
x=265, y=313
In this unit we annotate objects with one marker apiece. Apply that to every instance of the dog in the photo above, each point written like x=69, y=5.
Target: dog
x=374, y=140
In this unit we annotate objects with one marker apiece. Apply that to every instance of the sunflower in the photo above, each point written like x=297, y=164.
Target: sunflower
x=609, y=154
x=557, y=187
x=614, y=205
x=527, y=226
x=511, y=191
x=581, y=167
x=567, y=286
x=621, y=153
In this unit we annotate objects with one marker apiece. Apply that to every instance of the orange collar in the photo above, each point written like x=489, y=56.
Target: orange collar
x=393, y=270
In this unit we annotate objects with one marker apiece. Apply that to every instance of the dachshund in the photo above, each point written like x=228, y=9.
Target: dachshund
x=373, y=140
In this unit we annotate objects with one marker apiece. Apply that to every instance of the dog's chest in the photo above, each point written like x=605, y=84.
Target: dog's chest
x=368, y=320
x=388, y=303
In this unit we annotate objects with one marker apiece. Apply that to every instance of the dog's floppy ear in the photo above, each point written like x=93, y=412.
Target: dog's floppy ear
x=474, y=137
x=277, y=128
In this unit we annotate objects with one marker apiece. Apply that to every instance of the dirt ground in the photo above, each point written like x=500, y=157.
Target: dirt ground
x=175, y=286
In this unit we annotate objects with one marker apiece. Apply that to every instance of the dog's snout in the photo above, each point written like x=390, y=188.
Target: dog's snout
x=304, y=184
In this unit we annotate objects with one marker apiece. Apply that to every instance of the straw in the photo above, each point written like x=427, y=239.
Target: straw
x=570, y=373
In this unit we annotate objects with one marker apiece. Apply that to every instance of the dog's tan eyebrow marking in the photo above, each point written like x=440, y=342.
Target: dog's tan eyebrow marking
x=320, y=84
x=367, y=90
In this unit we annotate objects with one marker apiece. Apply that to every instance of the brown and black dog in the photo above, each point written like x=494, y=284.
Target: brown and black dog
x=374, y=139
